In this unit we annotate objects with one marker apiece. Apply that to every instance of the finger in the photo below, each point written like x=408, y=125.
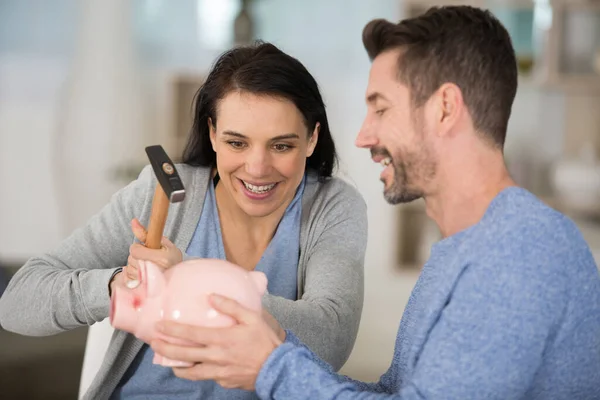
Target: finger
x=200, y=372
x=131, y=277
x=139, y=230
x=158, y=257
x=166, y=243
x=131, y=272
x=193, y=354
x=195, y=334
x=232, y=308
x=272, y=322
x=133, y=263
x=140, y=252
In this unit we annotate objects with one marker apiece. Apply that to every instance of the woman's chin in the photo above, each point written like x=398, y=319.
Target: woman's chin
x=259, y=208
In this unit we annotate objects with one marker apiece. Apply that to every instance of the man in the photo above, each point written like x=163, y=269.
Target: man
x=507, y=306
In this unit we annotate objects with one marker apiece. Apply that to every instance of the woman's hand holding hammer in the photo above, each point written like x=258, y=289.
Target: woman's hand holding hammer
x=165, y=257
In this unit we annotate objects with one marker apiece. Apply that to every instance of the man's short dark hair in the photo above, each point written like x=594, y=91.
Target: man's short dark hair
x=463, y=45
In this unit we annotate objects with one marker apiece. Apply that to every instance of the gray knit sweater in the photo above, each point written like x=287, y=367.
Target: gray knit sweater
x=68, y=287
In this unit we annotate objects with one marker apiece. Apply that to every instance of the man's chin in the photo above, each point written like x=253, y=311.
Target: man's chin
x=400, y=197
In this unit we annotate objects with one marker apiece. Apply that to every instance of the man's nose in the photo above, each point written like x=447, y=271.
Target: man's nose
x=258, y=163
x=366, y=137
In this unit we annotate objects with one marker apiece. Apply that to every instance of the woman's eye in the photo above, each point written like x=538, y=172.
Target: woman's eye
x=380, y=112
x=282, y=147
x=236, y=144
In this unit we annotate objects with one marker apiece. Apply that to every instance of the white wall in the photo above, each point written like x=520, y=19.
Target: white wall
x=29, y=216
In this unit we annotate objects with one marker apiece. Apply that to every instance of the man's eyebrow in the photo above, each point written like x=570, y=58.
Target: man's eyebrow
x=373, y=97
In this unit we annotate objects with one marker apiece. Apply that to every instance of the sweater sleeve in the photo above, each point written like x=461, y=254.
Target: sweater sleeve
x=488, y=343
x=291, y=373
x=68, y=287
x=327, y=316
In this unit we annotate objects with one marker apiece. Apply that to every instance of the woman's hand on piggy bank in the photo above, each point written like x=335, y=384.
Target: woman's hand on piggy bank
x=165, y=257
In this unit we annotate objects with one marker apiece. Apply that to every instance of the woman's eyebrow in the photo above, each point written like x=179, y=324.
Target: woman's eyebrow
x=278, y=137
x=286, y=136
x=236, y=134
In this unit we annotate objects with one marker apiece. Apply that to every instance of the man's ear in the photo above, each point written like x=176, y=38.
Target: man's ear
x=448, y=108
x=312, y=141
x=213, y=133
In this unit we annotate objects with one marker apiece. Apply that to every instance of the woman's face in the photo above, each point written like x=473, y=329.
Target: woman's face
x=261, y=143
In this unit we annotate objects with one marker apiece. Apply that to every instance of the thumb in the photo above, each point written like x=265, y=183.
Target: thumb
x=138, y=230
x=232, y=308
x=166, y=243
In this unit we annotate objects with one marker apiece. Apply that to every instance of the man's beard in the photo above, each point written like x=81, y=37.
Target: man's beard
x=410, y=171
x=400, y=189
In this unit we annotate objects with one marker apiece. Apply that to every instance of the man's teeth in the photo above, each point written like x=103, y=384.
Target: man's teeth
x=258, y=189
x=386, y=161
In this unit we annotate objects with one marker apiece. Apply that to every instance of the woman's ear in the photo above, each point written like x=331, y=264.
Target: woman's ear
x=312, y=141
x=213, y=134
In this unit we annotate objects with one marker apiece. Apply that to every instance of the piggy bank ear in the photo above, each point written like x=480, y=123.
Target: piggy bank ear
x=260, y=280
x=152, y=278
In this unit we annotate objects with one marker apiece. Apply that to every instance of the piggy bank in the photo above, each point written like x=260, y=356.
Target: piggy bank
x=180, y=294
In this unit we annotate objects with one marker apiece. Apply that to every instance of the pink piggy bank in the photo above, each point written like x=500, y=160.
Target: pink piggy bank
x=181, y=294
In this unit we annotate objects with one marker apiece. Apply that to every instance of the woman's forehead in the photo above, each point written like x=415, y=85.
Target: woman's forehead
x=253, y=115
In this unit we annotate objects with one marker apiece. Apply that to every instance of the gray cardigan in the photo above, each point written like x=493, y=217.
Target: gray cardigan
x=68, y=287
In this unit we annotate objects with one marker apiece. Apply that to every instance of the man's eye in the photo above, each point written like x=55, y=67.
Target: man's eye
x=380, y=112
x=236, y=144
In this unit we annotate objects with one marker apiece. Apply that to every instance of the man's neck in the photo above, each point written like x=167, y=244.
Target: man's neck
x=467, y=191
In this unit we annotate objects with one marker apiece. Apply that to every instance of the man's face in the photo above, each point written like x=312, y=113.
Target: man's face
x=396, y=133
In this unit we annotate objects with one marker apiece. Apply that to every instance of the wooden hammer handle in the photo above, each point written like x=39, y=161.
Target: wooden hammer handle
x=158, y=218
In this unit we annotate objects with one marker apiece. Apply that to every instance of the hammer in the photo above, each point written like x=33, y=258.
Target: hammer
x=168, y=190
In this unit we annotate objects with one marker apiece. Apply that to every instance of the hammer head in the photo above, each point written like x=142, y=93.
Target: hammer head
x=165, y=172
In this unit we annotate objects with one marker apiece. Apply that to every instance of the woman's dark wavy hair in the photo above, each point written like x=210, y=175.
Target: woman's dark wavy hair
x=261, y=69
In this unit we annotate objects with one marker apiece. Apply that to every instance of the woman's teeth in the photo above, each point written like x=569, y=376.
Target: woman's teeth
x=258, y=189
x=386, y=161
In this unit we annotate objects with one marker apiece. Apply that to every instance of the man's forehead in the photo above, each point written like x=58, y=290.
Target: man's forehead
x=382, y=76
x=386, y=64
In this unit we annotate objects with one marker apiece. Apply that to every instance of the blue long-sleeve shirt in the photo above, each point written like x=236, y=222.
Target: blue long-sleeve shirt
x=506, y=309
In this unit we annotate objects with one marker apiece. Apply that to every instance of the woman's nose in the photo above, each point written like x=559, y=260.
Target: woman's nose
x=258, y=164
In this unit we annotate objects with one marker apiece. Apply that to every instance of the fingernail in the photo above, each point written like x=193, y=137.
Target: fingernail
x=133, y=284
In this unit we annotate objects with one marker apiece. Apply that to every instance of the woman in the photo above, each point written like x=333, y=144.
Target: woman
x=257, y=171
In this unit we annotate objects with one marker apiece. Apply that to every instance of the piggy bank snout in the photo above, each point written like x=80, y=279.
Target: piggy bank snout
x=123, y=306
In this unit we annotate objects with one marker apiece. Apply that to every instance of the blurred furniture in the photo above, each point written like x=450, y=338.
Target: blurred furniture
x=177, y=111
x=3, y=281
x=45, y=367
x=417, y=233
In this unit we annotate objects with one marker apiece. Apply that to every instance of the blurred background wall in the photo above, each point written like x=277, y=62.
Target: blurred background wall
x=85, y=85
